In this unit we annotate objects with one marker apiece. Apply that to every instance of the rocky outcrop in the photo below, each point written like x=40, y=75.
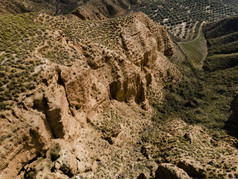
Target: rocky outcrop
x=87, y=112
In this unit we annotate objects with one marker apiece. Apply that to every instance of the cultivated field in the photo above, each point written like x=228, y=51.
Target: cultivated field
x=184, y=17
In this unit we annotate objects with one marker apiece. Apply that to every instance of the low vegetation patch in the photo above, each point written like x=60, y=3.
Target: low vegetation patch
x=19, y=36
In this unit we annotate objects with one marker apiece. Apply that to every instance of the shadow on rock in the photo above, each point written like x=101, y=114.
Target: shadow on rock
x=231, y=125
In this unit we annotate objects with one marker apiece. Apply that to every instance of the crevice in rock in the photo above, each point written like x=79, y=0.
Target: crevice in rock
x=61, y=83
x=77, y=14
x=145, y=60
x=111, y=10
x=115, y=87
x=108, y=139
x=124, y=46
x=23, y=169
x=144, y=152
x=66, y=170
x=191, y=170
x=60, y=80
x=120, y=91
x=41, y=105
x=148, y=78
x=36, y=140
x=168, y=52
x=140, y=95
x=54, y=121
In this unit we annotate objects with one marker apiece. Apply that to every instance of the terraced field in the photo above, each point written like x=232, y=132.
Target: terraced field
x=184, y=17
x=196, y=50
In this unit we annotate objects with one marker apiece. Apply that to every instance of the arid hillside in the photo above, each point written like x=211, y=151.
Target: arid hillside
x=97, y=91
x=74, y=93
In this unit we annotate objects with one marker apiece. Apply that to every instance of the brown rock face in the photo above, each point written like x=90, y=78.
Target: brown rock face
x=77, y=83
x=124, y=91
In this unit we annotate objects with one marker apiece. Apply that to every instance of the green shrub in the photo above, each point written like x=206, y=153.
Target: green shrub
x=55, y=153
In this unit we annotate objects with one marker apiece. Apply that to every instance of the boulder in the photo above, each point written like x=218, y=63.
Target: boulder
x=170, y=171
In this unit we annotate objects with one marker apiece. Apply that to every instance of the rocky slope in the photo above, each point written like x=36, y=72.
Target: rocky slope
x=99, y=99
x=88, y=101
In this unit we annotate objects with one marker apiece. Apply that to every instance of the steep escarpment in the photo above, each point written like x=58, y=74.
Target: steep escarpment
x=87, y=101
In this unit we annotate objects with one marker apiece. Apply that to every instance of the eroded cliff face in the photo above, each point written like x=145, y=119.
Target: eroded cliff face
x=85, y=116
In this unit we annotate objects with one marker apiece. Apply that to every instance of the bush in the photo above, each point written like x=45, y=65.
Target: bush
x=31, y=174
x=54, y=154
